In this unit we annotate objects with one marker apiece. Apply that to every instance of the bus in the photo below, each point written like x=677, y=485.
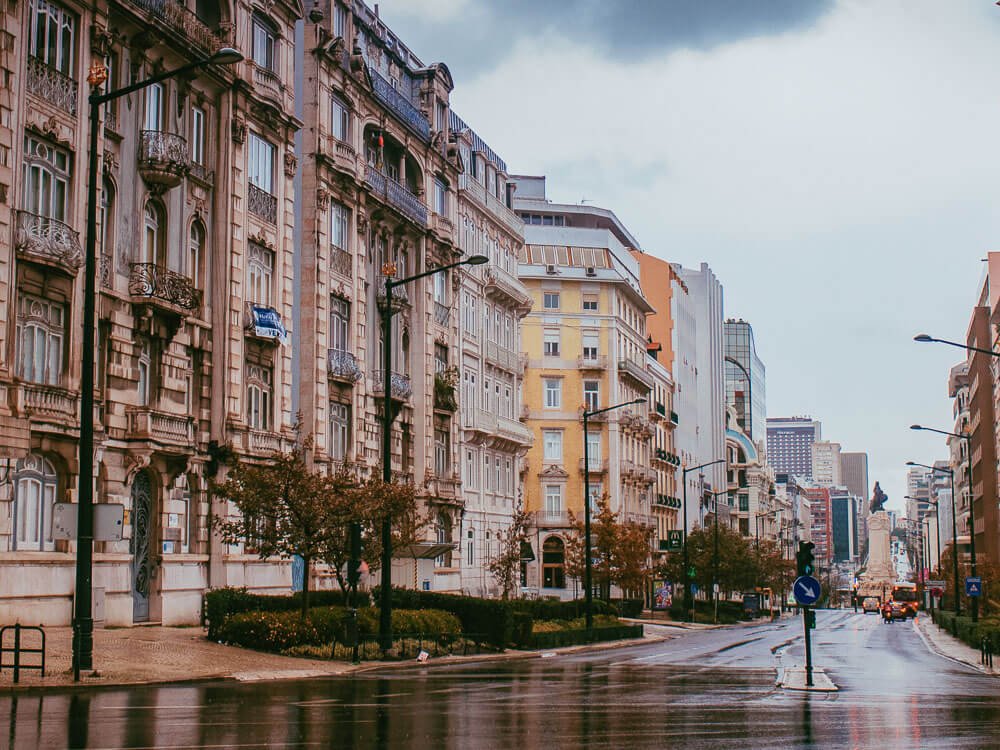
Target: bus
x=905, y=592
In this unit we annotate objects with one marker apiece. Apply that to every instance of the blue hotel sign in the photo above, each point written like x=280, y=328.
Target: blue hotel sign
x=267, y=323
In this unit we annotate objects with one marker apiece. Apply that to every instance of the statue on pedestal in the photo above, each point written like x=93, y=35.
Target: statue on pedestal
x=879, y=499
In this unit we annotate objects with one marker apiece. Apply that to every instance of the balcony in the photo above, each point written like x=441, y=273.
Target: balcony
x=627, y=369
x=168, y=290
x=551, y=519
x=505, y=288
x=343, y=366
x=395, y=195
x=337, y=153
x=50, y=85
x=444, y=487
x=658, y=412
x=674, y=419
x=158, y=426
x=442, y=228
x=268, y=84
x=400, y=387
x=400, y=106
x=202, y=174
x=592, y=363
x=501, y=356
x=263, y=442
x=163, y=159
x=484, y=422
x=597, y=466
x=468, y=184
x=400, y=297
x=186, y=24
x=512, y=431
x=262, y=204
x=341, y=262
x=47, y=402
x=48, y=241
x=442, y=314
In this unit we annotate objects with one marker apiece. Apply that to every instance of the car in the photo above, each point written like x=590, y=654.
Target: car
x=900, y=611
x=870, y=604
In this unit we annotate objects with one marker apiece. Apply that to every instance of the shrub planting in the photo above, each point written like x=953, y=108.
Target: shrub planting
x=219, y=604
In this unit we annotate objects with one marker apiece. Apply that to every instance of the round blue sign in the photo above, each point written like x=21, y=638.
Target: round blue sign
x=806, y=590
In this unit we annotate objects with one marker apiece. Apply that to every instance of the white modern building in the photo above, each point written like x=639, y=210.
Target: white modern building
x=826, y=464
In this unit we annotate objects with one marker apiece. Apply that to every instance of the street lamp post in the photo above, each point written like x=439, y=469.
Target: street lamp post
x=972, y=511
x=588, y=581
x=83, y=619
x=389, y=270
x=687, y=576
x=715, y=554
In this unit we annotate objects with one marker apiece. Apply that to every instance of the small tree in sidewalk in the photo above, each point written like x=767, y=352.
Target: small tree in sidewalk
x=506, y=566
x=284, y=509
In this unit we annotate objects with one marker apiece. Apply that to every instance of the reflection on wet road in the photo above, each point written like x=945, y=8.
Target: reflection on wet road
x=708, y=689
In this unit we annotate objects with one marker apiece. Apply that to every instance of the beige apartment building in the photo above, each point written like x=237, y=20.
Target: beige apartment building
x=195, y=275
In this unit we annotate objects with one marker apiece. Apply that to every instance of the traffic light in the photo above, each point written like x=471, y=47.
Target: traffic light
x=810, y=615
x=804, y=565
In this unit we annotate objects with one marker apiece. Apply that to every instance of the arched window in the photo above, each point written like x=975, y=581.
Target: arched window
x=196, y=252
x=553, y=563
x=154, y=234
x=107, y=220
x=35, y=493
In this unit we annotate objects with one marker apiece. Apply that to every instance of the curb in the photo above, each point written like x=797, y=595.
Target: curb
x=933, y=647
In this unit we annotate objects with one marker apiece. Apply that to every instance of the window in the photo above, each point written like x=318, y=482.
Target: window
x=196, y=248
x=40, y=337
x=590, y=346
x=340, y=431
x=46, y=179
x=106, y=237
x=187, y=520
x=443, y=537
x=53, y=32
x=263, y=43
x=553, y=393
x=596, y=492
x=594, y=449
x=258, y=397
x=340, y=320
x=441, y=288
x=471, y=470
x=153, y=234
x=550, y=300
x=592, y=394
x=553, y=563
x=552, y=440
x=590, y=303
x=440, y=197
x=261, y=163
x=442, y=464
x=553, y=500
x=260, y=269
x=340, y=123
x=198, y=135
x=339, y=21
x=144, y=368
x=154, y=107
x=551, y=343
x=35, y=493
x=440, y=358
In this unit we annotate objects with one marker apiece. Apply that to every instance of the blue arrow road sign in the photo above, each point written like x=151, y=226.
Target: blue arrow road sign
x=973, y=586
x=806, y=590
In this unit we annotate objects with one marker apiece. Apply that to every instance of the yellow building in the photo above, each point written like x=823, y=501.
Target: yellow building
x=585, y=344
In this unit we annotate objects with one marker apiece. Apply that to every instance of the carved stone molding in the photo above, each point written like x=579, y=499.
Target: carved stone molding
x=291, y=164
x=322, y=199
x=239, y=129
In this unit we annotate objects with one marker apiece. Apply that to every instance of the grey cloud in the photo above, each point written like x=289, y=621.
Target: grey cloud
x=623, y=30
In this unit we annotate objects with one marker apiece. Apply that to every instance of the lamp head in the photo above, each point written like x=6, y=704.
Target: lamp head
x=226, y=56
x=923, y=338
x=476, y=260
x=910, y=463
x=638, y=401
x=916, y=427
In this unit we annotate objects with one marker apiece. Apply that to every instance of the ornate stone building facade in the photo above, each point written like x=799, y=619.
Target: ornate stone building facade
x=195, y=275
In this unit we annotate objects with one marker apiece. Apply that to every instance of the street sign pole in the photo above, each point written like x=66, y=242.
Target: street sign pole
x=809, y=653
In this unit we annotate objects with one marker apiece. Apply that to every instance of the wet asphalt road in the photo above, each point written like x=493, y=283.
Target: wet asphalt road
x=709, y=689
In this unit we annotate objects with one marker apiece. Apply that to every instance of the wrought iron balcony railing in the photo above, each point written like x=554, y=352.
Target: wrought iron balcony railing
x=635, y=371
x=182, y=21
x=342, y=365
x=163, y=157
x=49, y=240
x=52, y=85
x=262, y=204
x=400, y=106
x=157, y=283
x=341, y=262
x=396, y=196
x=400, y=387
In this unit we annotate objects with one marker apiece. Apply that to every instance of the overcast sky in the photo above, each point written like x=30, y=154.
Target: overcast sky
x=836, y=162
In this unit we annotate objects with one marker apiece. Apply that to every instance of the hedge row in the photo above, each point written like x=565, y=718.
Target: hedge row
x=281, y=631
x=972, y=633
x=219, y=604
x=576, y=637
x=729, y=612
x=555, y=609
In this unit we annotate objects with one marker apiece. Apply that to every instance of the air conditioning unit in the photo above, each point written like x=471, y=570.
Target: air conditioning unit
x=591, y=271
x=550, y=268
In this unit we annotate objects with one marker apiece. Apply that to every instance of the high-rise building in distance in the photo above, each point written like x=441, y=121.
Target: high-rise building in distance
x=790, y=444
